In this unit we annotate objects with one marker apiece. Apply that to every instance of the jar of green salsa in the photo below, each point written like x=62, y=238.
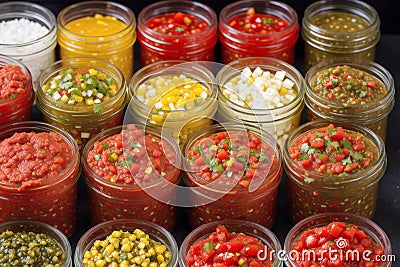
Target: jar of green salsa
x=352, y=91
x=333, y=28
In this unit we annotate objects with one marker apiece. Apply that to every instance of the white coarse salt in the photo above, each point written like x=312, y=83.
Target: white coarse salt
x=19, y=31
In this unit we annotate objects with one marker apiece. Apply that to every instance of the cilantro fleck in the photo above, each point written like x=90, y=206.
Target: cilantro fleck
x=332, y=160
x=325, y=73
x=97, y=157
x=263, y=157
x=105, y=145
x=320, y=135
x=303, y=157
x=268, y=21
x=191, y=159
x=198, y=150
x=357, y=156
x=98, y=109
x=346, y=144
x=41, y=151
x=255, y=153
x=331, y=132
x=132, y=144
x=208, y=246
x=179, y=29
x=125, y=163
x=308, y=180
x=347, y=161
x=363, y=94
x=12, y=96
x=331, y=243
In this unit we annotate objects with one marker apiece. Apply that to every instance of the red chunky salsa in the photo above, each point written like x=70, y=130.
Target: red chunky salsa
x=225, y=249
x=131, y=157
x=123, y=172
x=12, y=81
x=177, y=24
x=257, y=23
x=231, y=157
x=26, y=159
x=339, y=245
x=333, y=151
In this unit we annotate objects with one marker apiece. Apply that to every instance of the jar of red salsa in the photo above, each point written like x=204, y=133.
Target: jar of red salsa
x=331, y=168
x=258, y=29
x=219, y=243
x=337, y=239
x=349, y=90
x=234, y=172
x=39, y=170
x=184, y=30
x=131, y=172
x=16, y=91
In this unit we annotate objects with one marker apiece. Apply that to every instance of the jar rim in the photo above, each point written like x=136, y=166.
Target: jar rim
x=166, y=6
x=371, y=67
x=266, y=138
x=163, y=236
x=29, y=84
x=206, y=229
x=271, y=64
x=332, y=5
x=116, y=130
x=79, y=6
x=349, y=217
x=37, y=126
x=226, y=11
x=24, y=225
x=351, y=178
x=38, y=8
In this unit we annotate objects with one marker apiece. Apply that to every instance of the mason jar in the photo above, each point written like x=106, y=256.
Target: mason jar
x=115, y=46
x=320, y=182
x=36, y=54
x=336, y=28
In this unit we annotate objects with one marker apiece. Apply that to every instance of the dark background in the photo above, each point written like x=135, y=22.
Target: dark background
x=388, y=207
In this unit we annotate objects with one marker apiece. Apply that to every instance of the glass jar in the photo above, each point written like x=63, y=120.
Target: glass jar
x=237, y=44
x=373, y=115
x=53, y=200
x=38, y=54
x=81, y=121
x=310, y=192
x=102, y=230
x=221, y=201
x=19, y=107
x=145, y=201
x=322, y=42
x=178, y=123
x=279, y=121
x=370, y=228
x=42, y=228
x=252, y=229
x=156, y=46
x=115, y=47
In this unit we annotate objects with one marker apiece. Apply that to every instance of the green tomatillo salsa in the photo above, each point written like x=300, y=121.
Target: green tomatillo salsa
x=348, y=86
x=337, y=21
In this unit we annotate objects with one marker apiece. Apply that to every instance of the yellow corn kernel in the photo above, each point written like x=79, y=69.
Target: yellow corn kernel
x=105, y=98
x=94, y=252
x=113, y=87
x=126, y=248
x=115, y=254
x=78, y=98
x=109, y=248
x=167, y=255
x=97, y=243
x=92, y=71
x=64, y=99
x=160, y=249
x=141, y=245
x=125, y=240
x=132, y=237
x=112, y=92
x=145, y=241
x=138, y=232
x=87, y=255
x=163, y=264
x=89, y=101
x=187, y=20
x=157, y=118
x=153, y=264
x=283, y=91
x=138, y=260
x=83, y=86
x=101, y=75
x=46, y=87
x=160, y=258
x=114, y=156
x=198, y=90
x=101, y=263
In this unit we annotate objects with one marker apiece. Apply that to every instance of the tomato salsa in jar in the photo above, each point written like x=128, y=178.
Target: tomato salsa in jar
x=177, y=30
x=231, y=170
x=39, y=170
x=337, y=239
x=230, y=243
x=333, y=169
x=16, y=91
x=350, y=91
x=258, y=29
x=131, y=172
x=82, y=95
